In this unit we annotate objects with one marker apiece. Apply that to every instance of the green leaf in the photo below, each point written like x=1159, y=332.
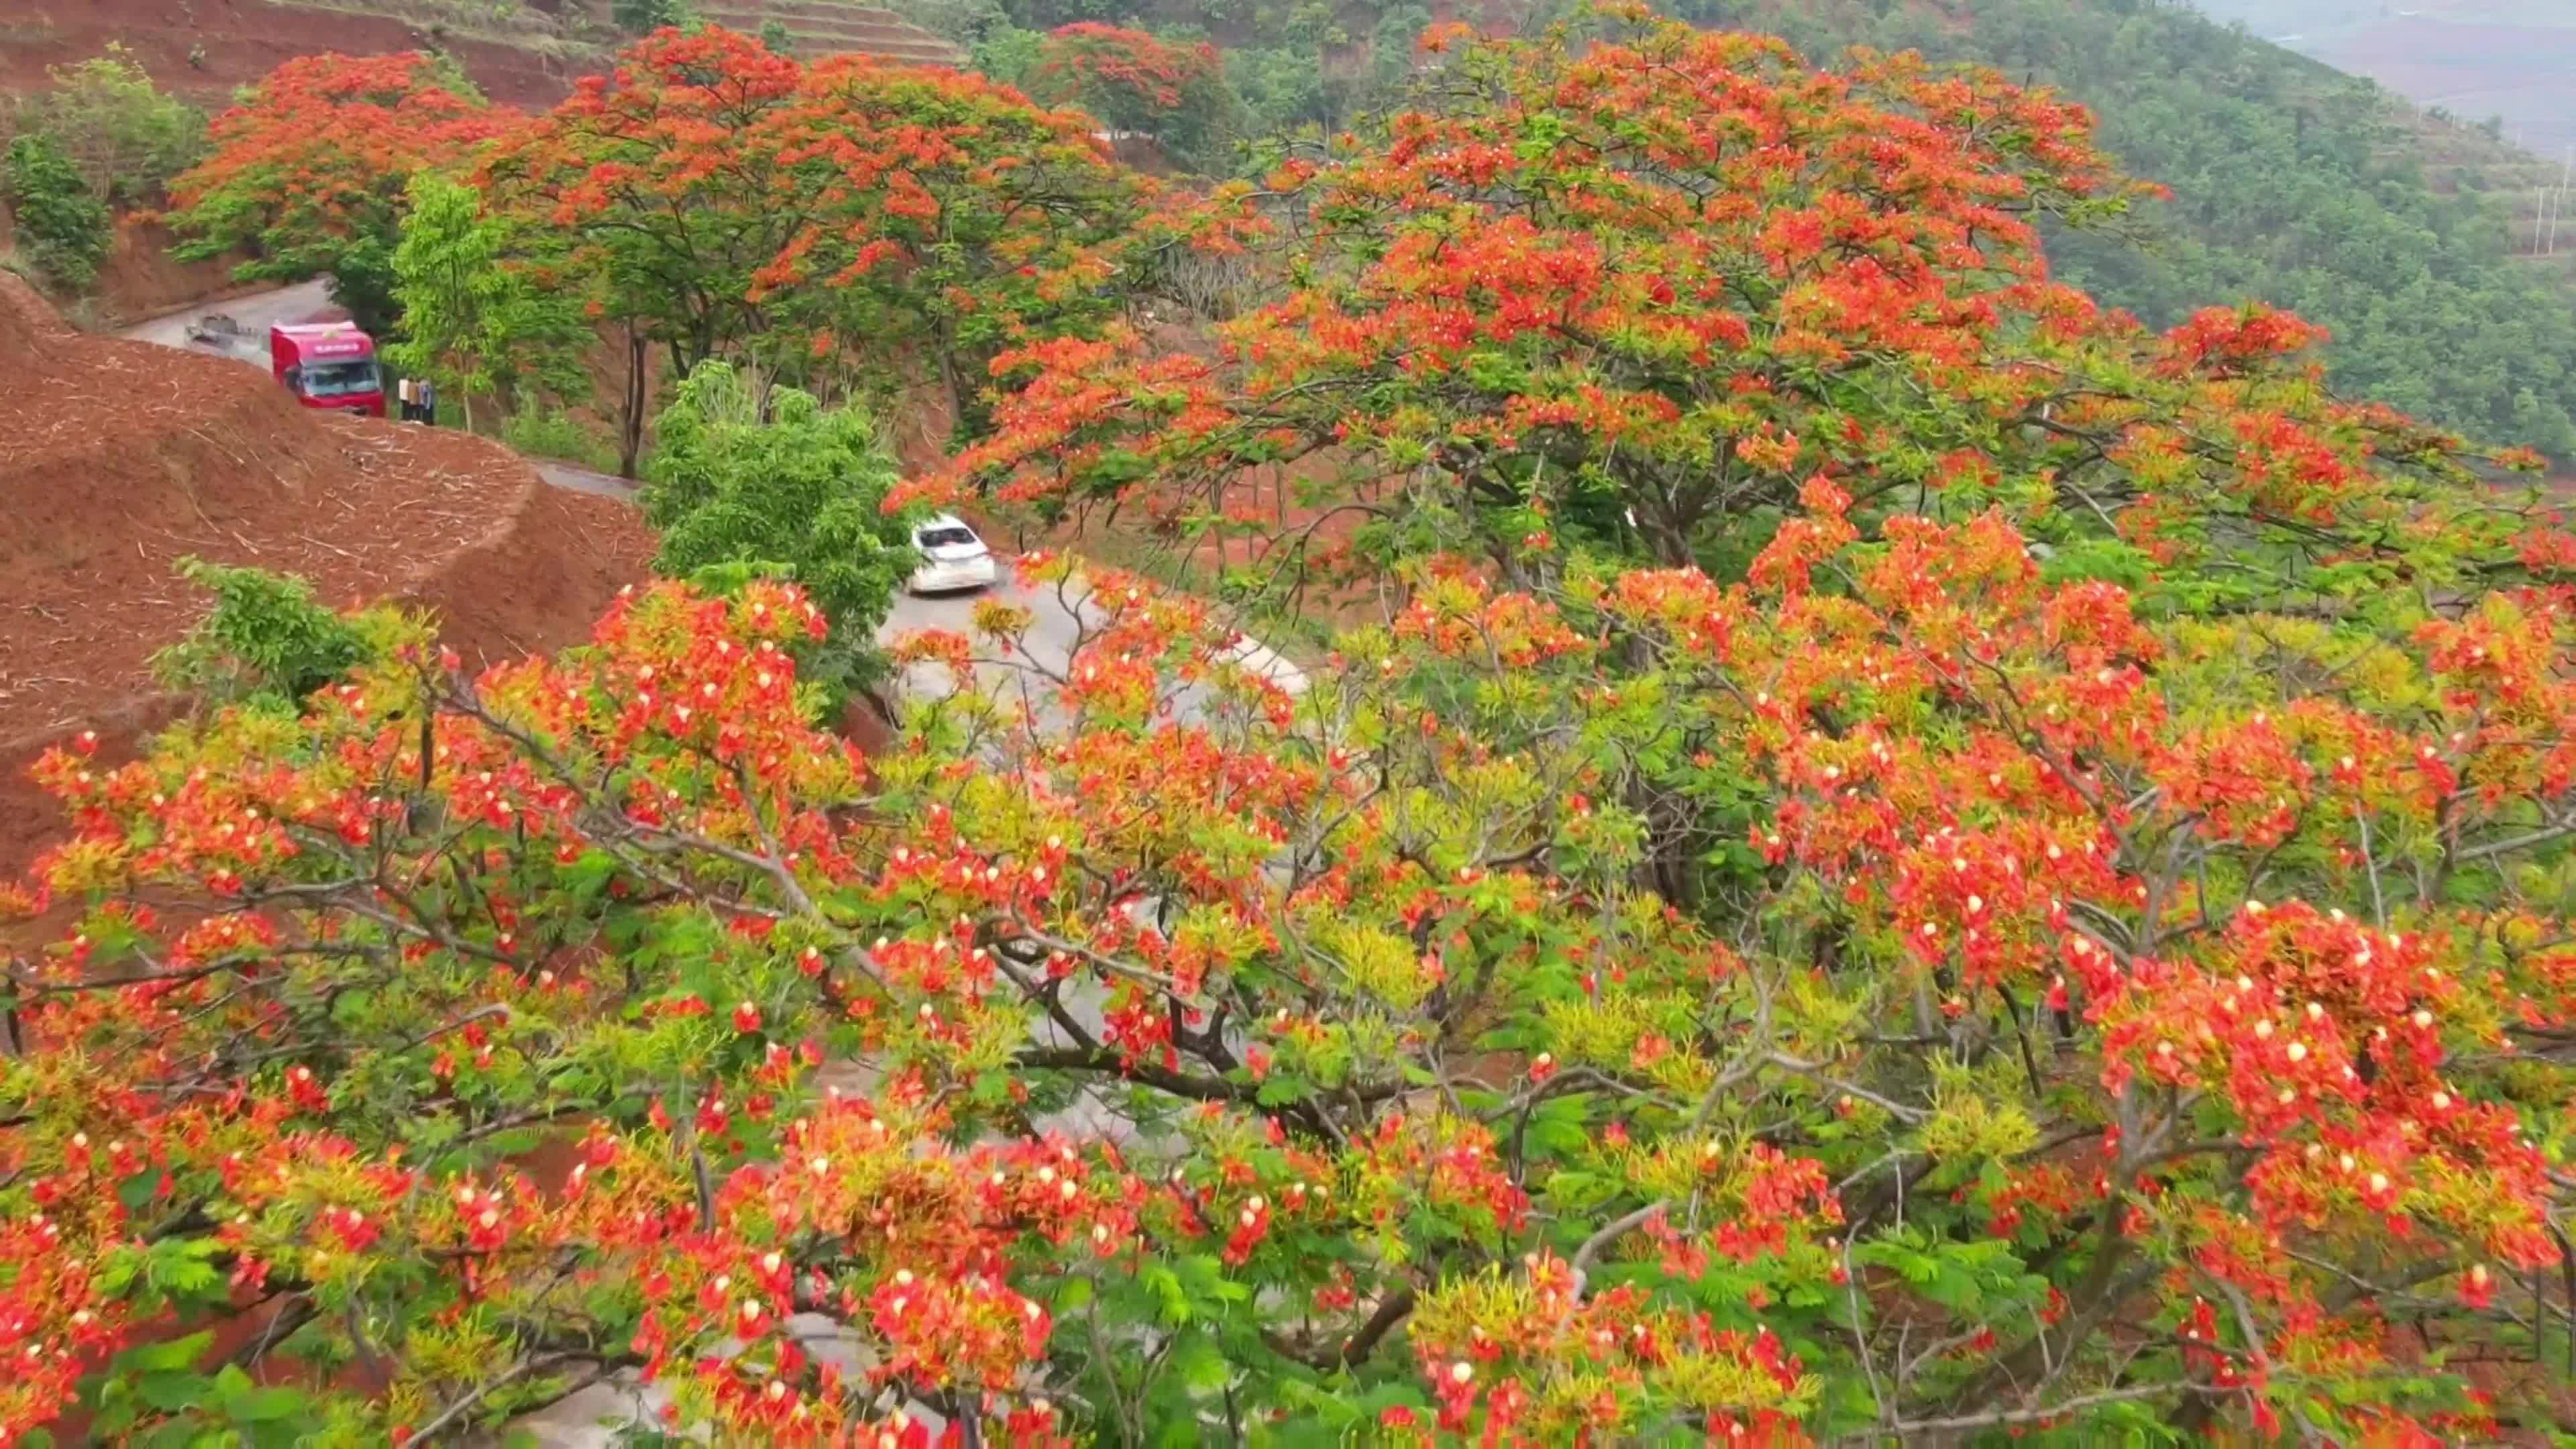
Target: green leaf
x=138, y=1191
x=1282, y=1088
x=167, y=1356
x=267, y=1405
x=171, y=1391
x=1165, y=1285
x=1206, y=1278
x=1201, y=1366
x=1559, y=1126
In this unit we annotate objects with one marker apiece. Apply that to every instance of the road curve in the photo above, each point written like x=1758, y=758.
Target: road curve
x=303, y=302
x=1059, y=617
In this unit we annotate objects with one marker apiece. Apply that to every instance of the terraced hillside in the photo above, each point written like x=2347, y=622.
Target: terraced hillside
x=205, y=50
x=824, y=27
x=525, y=53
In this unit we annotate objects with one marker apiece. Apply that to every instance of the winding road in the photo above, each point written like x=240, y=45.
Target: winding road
x=1058, y=617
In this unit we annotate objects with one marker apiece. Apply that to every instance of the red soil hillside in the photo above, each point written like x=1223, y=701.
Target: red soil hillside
x=119, y=458
x=205, y=49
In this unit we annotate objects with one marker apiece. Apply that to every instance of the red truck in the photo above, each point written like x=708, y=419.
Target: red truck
x=328, y=365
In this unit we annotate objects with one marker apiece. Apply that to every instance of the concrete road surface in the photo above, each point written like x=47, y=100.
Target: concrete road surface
x=1062, y=618
x=1058, y=617
x=256, y=314
x=582, y=480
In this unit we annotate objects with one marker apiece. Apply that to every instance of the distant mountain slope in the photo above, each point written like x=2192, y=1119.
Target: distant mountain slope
x=2513, y=60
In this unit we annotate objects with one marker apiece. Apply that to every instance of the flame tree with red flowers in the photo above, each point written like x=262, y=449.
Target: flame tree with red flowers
x=2094, y=1021
x=1633, y=292
x=1137, y=82
x=847, y=221
x=308, y=174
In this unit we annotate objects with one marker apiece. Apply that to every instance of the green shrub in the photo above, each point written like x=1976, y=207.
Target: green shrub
x=965, y=23
x=1283, y=89
x=66, y=231
x=1007, y=53
x=793, y=488
x=125, y=136
x=266, y=638
x=644, y=16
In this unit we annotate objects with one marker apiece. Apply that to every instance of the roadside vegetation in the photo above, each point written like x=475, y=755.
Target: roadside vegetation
x=100, y=137
x=768, y=478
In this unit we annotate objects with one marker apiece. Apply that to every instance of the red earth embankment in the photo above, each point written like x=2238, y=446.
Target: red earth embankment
x=140, y=279
x=117, y=459
x=204, y=49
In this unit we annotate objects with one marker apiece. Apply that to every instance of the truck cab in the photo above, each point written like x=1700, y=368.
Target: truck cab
x=328, y=365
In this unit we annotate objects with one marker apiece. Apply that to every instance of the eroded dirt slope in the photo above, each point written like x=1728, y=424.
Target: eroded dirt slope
x=204, y=49
x=117, y=459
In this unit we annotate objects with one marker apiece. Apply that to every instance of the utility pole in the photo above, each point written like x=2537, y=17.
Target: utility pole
x=2566, y=171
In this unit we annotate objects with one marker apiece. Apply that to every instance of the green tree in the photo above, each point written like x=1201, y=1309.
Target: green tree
x=473, y=323
x=782, y=484
x=127, y=137
x=67, y=230
x=642, y=17
x=264, y=639
x=1282, y=89
x=962, y=22
x=1007, y=53
x=1393, y=52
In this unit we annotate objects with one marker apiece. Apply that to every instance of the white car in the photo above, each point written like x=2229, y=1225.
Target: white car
x=952, y=557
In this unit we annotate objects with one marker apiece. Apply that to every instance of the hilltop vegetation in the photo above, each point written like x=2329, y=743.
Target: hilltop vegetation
x=100, y=135
x=2291, y=184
